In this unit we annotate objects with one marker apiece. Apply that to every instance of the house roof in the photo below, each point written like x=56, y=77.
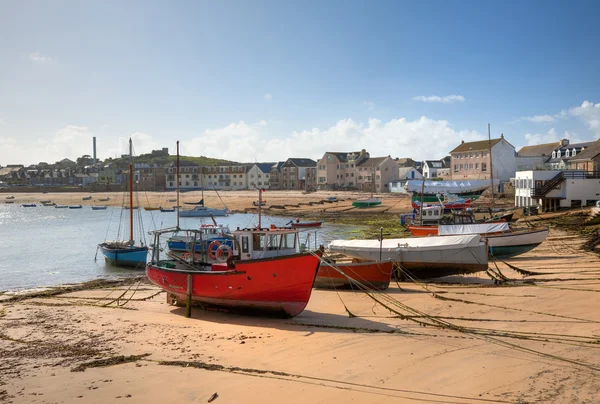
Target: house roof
x=372, y=161
x=591, y=152
x=473, y=146
x=264, y=167
x=342, y=156
x=538, y=150
x=435, y=163
x=405, y=170
x=8, y=170
x=300, y=162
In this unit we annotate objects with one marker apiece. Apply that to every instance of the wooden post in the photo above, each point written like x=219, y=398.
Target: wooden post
x=188, y=304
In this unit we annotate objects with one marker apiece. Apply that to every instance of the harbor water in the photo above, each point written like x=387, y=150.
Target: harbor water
x=44, y=246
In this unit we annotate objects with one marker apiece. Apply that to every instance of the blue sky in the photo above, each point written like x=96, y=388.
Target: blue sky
x=267, y=80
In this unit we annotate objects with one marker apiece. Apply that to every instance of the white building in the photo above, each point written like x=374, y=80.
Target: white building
x=472, y=160
x=554, y=189
x=259, y=175
x=431, y=167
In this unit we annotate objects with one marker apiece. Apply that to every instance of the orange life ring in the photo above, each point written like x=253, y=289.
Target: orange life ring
x=223, y=253
x=212, y=251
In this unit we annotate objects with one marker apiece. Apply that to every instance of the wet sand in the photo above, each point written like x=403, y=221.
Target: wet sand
x=463, y=339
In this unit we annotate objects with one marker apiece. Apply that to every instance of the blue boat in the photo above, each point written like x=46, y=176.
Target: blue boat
x=126, y=253
x=122, y=255
x=206, y=241
x=29, y=205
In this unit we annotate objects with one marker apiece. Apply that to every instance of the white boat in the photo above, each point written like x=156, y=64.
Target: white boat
x=201, y=211
x=427, y=257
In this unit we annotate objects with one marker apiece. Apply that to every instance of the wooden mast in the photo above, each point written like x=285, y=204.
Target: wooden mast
x=491, y=167
x=259, y=205
x=131, y=242
x=422, y=191
x=177, y=183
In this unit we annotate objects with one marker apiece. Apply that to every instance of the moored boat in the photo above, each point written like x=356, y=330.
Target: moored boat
x=75, y=206
x=10, y=197
x=46, y=201
x=9, y=202
x=201, y=211
x=366, y=203
x=372, y=274
x=516, y=242
x=427, y=257
x=61, y=206
x=49, y=204
x=104, y=199
x=151, y=208
x=87, y=198
x=126, y=253
x=299, y=224
x=98, y=207
x=264, y=274
x=29, y=205
x=167, y=209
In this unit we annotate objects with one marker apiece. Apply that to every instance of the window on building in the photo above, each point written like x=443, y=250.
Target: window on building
x=461, y=167
x=558, y=154
x=360, y=177
x=483, y=166
x=573, y=153
x=455, y=168
x=554, y=154
x=471, y=166
x=352, y=174
x=477, y=166
x=567, y=153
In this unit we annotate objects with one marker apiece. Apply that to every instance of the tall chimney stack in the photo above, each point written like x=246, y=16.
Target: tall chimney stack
x=95, y=161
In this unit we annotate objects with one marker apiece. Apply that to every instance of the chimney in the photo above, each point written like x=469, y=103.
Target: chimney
x=462, y=142
x=502, y=136
x=564, y=142
x=95, y=150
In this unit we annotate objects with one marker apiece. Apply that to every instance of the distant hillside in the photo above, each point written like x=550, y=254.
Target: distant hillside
x=160, y=158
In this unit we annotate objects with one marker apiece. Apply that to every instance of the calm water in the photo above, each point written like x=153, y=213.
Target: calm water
x=44, y=246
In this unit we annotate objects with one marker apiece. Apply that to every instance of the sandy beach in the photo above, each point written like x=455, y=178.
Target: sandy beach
x=277, y=201
x=461, y=340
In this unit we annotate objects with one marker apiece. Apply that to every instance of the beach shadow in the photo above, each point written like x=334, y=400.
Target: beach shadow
x=546, y=258
x=307, y=321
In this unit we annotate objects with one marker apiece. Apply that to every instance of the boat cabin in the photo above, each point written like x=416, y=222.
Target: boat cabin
x=265, y=243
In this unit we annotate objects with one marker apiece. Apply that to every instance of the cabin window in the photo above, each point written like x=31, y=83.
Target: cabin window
x=258, y=242
x=273, y=242
x=429, y=213
x=289, y=241
x=437, y=212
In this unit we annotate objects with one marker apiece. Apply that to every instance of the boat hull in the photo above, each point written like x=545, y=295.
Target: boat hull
x=98, y=207
x=358, y=204
x=307, y=224
x=133, y=257
x=375, y=275
x=423, y=258
x=512, y=244
x=203, y=213
x=279, y=286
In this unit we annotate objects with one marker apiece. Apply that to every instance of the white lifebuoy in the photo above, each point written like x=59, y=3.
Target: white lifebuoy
x=223, y=253
x=212, y=251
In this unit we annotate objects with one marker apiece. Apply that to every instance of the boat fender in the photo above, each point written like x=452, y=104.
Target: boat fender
x=223, y=253
x=212, y=249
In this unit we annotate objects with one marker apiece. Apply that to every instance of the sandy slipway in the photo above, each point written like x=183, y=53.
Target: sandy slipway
x=462, y=339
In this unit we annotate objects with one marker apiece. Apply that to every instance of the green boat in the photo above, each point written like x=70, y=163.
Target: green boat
x=366, y=203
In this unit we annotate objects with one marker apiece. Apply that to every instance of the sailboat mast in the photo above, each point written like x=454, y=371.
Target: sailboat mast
x=130, y=192
x=422, y=191
x=491, y=167
x=259, y=205
x=177, y=183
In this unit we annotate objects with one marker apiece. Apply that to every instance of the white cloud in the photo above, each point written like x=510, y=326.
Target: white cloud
x=590, y=113
x=540, y=118
x=436, y=98
x=39, y=58
x=550, y=137
x=268, y=97
x=423, y=138
x=370, y=105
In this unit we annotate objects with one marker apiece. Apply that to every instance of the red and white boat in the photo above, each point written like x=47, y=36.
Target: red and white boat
x=263, y=273
x=373, y=274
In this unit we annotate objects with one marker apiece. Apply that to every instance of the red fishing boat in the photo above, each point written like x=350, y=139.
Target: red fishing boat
x=299, y=224
x=263, y=273
x=373, y=274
